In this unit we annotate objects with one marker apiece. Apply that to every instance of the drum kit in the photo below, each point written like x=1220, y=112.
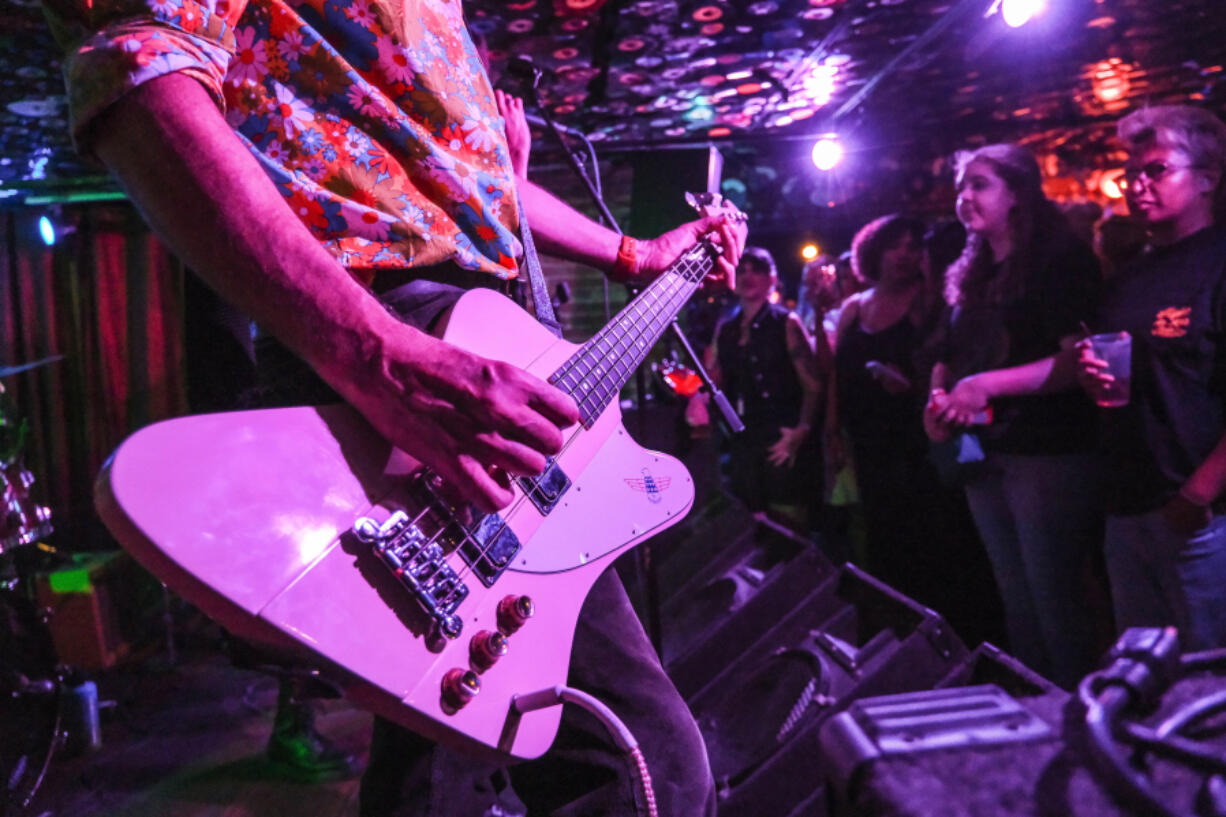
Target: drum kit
x=31, y=678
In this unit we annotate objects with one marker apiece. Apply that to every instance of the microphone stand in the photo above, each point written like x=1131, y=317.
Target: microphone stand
x=645, y=567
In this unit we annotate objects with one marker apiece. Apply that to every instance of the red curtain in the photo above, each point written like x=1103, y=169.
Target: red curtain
x=109, y=298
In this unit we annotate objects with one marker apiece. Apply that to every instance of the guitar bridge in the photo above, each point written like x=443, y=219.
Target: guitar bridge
x=418, y=564
x=415, y=550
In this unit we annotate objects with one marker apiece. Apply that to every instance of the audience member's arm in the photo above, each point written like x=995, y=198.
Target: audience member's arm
x=972, y=394
x=1189, y=510
x=800, y=349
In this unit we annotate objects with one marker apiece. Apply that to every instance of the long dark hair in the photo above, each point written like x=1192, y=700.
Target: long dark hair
x=1034, y=222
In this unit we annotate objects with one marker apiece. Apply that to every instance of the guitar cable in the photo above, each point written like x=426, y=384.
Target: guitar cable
x=622, y=737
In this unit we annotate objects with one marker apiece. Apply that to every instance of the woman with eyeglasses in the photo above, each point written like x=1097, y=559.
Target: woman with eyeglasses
x=1022, y=288
x=1165, y=450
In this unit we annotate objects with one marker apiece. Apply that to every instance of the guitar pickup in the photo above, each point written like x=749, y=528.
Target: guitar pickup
x=489, y=548
x=546, y=490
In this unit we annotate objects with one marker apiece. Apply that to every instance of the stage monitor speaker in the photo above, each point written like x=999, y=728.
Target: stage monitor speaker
x=850, y=636
x=719, y=613
x=661, y=180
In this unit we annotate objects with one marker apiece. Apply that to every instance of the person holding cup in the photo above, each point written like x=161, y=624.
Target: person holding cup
x=1165, y=436
x=1021, y=290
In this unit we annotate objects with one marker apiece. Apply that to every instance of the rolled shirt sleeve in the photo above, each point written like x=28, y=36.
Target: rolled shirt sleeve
x=113, y=46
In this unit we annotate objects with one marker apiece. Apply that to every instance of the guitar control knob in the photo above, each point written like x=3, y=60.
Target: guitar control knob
x=486, y=648
x=513, y=611
x=460, y=686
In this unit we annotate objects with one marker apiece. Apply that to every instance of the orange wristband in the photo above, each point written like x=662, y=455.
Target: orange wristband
x=627, y=259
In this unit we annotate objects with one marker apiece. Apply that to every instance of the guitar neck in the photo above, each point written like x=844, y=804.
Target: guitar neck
x=596, y=373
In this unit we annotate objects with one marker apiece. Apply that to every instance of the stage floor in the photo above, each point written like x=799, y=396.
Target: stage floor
x=188, y=741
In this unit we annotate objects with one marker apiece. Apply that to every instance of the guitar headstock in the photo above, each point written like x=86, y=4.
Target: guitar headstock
x=713, y=204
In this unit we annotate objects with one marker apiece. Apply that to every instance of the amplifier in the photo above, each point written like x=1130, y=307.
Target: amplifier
x=102, y=608
x=984, y=750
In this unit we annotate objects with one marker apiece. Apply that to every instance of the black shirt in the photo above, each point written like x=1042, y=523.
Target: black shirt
x=759, y=377
x=1061, y=293
x=872, y=415
x=1172, y=301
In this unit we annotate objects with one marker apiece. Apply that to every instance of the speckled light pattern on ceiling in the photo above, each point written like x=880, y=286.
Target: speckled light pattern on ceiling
x=633, y=74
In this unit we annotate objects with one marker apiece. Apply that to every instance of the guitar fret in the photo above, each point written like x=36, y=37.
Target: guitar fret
x=595, y=373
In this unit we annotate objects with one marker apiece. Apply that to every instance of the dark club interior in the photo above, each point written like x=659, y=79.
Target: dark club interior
x=856, y=445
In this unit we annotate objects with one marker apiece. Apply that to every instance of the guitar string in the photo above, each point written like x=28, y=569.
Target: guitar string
x=688, y=265
x=675, y=294
x=680, y=293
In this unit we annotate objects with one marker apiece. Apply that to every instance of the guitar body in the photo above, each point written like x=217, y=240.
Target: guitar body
x=250, y=516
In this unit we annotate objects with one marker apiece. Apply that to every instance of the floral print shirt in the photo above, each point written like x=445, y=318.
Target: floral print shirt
x=374, y=118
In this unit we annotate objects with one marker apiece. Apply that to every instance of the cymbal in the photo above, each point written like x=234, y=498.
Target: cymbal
x=5, y=371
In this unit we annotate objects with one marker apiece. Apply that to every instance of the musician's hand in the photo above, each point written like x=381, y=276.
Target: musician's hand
x=519, y=137
x=656, y=254
x=476, y=422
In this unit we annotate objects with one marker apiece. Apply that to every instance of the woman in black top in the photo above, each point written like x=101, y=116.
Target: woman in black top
x=876, y=399
x=1023, y=286
x=767, y=365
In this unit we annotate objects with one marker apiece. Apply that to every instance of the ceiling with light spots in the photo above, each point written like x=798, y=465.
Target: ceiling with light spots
x=903, y=82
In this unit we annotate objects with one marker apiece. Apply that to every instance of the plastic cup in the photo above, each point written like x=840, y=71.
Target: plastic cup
x=1115, y=349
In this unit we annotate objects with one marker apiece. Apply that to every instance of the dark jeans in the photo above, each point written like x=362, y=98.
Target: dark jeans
x=612, y=658
x=1040, y=519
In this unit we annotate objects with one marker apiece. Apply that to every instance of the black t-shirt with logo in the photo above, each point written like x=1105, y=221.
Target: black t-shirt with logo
x=1173, y=303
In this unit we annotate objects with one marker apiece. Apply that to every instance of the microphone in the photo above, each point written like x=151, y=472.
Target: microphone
x=526, y=69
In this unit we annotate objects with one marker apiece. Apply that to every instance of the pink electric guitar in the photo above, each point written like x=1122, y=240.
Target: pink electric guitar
x=302, y=527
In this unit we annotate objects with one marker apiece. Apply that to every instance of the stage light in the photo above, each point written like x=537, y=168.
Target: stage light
x=1110, y=80
x=1019, y=12
x=46, y=230
x=1110, y=185
x=809, y=251
x=827, y=152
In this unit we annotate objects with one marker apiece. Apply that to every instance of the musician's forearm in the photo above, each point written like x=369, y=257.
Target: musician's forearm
x=561, y=230
x=203, y=192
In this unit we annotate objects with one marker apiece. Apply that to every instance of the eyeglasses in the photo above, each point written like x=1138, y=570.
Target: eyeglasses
x=1152, y=171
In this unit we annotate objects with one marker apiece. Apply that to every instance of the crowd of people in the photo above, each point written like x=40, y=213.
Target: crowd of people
x=957, y=370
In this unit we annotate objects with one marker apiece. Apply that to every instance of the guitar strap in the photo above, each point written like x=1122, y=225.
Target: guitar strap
x=542, y=305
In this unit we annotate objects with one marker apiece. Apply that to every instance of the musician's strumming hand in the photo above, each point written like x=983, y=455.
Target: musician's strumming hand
x=476, y=422
x=654, y=255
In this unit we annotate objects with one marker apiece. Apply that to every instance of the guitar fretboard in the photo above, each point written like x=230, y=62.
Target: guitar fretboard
x=595, y=374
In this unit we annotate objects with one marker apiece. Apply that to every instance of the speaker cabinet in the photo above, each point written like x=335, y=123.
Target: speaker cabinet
x=848, y=637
